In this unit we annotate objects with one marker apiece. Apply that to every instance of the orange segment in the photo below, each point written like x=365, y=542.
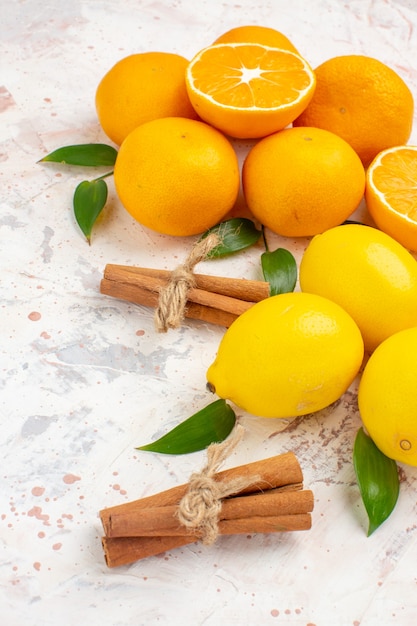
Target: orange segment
x=249, y=90
x=391, y=194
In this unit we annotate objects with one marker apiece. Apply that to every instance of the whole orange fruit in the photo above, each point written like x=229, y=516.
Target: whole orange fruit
x=363, y=101
x=257, y=34
x=249, y=90
x=391, y=193
x=301, y=181
x=177, y=176
x=139, y=88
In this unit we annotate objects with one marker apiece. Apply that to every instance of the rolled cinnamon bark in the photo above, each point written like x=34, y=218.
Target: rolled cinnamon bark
x=279, y=478
x=125, y=550
x=278, y=471
x=148, y=298
x=163, y=521
x=241, y=288
x=214, y=299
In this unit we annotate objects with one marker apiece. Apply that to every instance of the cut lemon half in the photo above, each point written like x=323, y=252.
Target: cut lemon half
x=249, y=90
x=391, y=193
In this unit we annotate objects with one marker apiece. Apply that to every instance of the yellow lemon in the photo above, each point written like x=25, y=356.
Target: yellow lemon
x=288, y=355
x=369, y=274
x=388, y=396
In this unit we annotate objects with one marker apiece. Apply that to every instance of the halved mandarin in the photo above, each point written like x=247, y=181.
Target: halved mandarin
x=391, y=193
x=249, y=90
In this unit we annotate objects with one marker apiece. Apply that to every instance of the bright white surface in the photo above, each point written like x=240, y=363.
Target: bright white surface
x=85, y=378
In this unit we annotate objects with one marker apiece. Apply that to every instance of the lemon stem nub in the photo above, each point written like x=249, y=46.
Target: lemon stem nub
x=211, y=387
x=405, y=444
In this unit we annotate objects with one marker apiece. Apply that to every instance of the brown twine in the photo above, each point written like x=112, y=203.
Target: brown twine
x=199, y=509
x=173, y=298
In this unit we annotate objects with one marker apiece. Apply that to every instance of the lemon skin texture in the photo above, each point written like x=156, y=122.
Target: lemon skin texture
x=387, y=396
x=369, y=274
x=289, y=355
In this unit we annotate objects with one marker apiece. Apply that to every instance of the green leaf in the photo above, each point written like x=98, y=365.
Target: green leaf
x=89, y=200
x=235, y=234
x=378, y=480
x=280, y=270
x=90, y=154
x=209, y=425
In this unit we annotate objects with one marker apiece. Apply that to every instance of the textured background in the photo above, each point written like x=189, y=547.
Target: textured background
x=85, y=378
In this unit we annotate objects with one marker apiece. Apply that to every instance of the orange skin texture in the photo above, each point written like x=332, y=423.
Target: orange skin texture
x=177, y=176
x=363, y=101
x=302, y=181
x=140, y=88
x=257, y=34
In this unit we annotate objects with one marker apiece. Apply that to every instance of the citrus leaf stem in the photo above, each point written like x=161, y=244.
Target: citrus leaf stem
x=265, y=239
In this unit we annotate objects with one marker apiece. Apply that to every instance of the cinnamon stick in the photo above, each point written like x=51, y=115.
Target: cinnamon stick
x=144, y=297
x=270, y=524
x=278, y=474
x=199, y=296
x=215, y=299
x=282, y=471
x=241, y=288
x=125, y=550
x=163, y=521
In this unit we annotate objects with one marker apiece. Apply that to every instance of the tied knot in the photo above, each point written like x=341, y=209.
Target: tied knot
x=173, y=297
x=199, y=509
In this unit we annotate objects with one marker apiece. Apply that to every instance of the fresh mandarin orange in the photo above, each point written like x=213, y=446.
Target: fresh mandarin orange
x=257, y=34
x=249, y=90
x=177, y=176
x=140, y=88
x=301, y=181
x=391, y=193
x=364, y=101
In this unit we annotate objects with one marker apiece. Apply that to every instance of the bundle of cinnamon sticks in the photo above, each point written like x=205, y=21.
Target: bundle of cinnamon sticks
x=215, y=299
x=276, y=502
